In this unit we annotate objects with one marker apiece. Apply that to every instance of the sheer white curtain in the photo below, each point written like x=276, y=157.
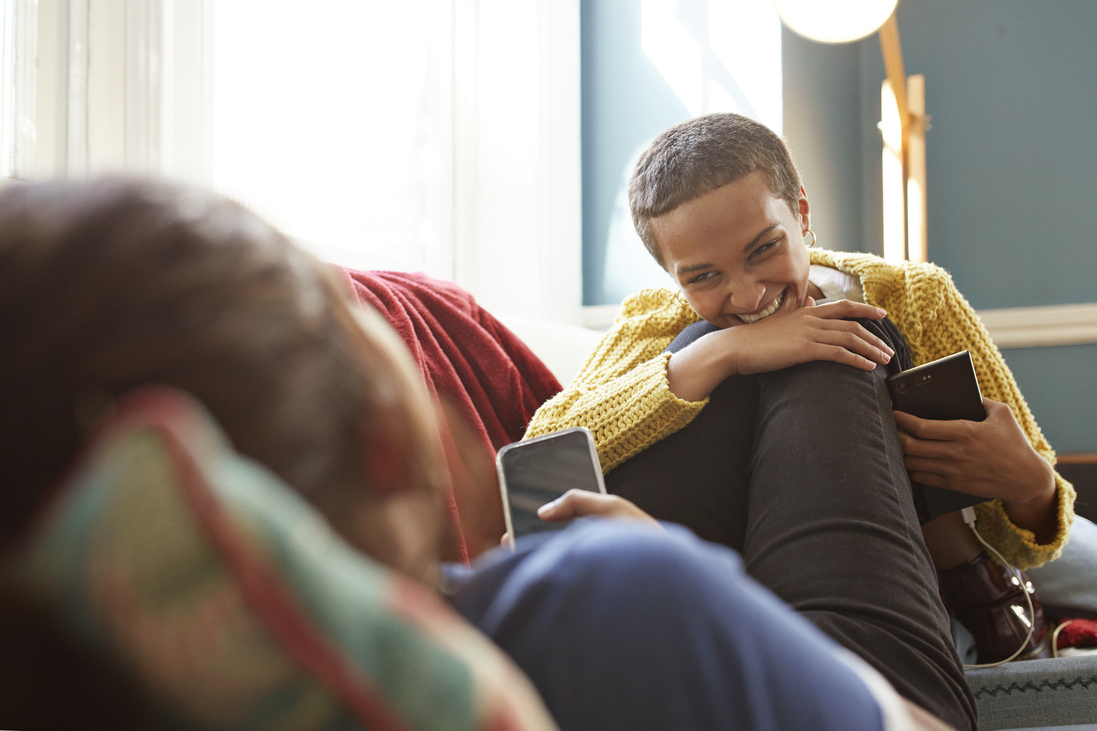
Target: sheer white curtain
x=333, y=119
x=18, y=63
x=424, y=135
x=432, y=135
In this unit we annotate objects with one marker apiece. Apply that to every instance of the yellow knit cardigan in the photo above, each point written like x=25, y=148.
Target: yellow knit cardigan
x=621, y=394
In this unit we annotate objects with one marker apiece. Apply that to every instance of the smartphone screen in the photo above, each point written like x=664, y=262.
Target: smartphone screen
x=540, y=470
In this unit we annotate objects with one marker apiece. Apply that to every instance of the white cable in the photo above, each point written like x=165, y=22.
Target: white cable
x=1055, y=637
x=968, y=515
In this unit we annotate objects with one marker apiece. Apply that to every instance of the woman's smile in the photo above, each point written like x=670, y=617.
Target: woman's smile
x=773, y=307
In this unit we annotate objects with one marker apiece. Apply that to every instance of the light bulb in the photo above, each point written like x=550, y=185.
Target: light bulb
x=835, y=21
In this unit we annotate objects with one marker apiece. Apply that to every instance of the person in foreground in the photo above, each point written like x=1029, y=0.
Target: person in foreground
x=749, y=408
x=109, y=289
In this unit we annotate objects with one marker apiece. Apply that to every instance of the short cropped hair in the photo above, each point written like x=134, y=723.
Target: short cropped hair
x=700, y=155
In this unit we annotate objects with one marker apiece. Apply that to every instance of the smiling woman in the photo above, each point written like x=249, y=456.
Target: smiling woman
x=738, y=255
x=718, y=406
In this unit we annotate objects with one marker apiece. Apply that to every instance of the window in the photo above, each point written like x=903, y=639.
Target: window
x=334, y=121
x=18, y=36
x=430, y=135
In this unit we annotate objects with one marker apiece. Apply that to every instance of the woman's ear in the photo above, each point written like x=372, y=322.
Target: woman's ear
x=804, y=211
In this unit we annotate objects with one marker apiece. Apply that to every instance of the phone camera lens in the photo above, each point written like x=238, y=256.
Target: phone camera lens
x=903, y=386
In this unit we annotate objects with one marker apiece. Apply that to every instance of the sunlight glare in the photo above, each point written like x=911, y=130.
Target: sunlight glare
x=321, y=118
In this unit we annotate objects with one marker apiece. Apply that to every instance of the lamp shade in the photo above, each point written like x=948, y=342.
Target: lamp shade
x=834, y=21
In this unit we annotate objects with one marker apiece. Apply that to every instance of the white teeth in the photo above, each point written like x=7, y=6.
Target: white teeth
x=764, y=313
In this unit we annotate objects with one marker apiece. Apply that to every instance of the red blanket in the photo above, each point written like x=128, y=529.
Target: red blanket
x=1078, y=633
x=485, y=380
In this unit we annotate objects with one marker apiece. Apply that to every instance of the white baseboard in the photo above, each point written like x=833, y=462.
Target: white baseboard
x=1011, y=327
x=1034, y=327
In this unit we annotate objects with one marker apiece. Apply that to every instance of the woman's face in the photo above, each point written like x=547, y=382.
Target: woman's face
x=737, y=252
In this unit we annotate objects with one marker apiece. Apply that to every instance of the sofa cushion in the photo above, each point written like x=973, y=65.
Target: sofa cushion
x=1036, y=693
x=1067, y=586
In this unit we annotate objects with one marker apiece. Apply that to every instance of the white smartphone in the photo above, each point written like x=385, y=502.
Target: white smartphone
x=539, y=470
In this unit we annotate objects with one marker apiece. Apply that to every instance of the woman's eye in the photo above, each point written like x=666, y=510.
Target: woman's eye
x=764, y=248
x=702, y=277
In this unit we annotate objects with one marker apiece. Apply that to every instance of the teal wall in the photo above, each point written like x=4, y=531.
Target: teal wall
x=1012, y=157
x=822, y=102
x=1012, y=173
x=625, y=104
x=1012, y=153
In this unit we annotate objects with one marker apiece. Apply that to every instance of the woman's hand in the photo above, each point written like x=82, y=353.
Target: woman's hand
x=991, y=459
x=813, y=332
x=580, y=503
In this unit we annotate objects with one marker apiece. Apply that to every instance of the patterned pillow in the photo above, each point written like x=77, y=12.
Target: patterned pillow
x=233, y=603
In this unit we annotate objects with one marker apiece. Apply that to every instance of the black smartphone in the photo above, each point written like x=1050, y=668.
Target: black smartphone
x=539, y=470
x=943, y=389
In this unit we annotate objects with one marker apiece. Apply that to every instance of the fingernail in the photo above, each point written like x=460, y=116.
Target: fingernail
x=882, y=311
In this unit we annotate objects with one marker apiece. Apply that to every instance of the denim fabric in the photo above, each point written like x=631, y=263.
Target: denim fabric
x=622, y=627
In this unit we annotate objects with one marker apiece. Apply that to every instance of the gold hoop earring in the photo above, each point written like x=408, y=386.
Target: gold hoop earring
x=812, y=239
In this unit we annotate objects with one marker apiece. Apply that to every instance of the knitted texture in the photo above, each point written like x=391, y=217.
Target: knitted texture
x=621, y=394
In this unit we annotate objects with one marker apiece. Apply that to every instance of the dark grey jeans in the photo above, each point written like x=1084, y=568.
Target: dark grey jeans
x=801, y=471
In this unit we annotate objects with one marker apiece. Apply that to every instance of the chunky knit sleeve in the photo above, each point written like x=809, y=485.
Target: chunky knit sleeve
x=621, y=393
x=936, y=320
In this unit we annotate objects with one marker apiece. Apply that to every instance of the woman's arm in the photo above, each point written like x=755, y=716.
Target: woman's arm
x=621, y=393
x=822, y=332
x=631, y=394
x=991, y=459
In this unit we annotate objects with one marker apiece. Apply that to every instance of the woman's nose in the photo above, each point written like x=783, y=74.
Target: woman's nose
x=747, y=296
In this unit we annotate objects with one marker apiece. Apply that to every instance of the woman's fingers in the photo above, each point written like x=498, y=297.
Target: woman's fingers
x=579, y=503
x=936, y=430
x=839, y=354
x=855, y=339
x=810, y=333
x=846, y=309
x=990, y=458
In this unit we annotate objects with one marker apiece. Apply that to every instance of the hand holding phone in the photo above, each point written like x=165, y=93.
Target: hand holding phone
x=945, y=389
x=579, y=503
x=538, y=471
x=991, y=459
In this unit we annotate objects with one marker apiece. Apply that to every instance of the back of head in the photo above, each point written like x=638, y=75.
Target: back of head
x=700, y=155
x=110, y=285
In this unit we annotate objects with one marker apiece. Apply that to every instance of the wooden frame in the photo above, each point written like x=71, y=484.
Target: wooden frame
x=903, y=124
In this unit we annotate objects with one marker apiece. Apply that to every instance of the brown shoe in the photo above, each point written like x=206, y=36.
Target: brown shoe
x=990, y=602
